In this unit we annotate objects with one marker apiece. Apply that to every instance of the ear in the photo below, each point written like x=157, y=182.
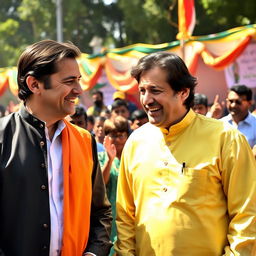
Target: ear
x=33, y=84
x=184, y=94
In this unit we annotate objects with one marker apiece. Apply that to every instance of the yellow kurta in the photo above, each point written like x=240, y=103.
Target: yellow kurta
x=187, y=191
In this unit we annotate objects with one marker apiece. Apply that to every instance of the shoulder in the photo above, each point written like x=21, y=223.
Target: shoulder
x=252, y=119
x=4, y=121
x=143, y=135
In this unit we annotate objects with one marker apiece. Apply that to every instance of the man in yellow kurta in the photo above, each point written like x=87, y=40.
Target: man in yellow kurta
x=187, y=183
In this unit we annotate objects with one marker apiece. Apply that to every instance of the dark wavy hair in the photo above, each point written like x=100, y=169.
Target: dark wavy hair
x=178, y=76
x=40, y=61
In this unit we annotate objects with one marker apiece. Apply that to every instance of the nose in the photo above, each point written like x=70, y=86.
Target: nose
x=146, y=98
x=77, y=88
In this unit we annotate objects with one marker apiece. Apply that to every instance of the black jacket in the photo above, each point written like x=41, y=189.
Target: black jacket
x=24, y=196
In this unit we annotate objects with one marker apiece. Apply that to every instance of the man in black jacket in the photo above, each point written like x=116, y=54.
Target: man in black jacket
x=52, y=195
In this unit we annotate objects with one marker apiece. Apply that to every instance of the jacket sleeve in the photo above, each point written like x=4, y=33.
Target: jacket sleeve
x=125, y=220
x=100, y=224
x=239, y=185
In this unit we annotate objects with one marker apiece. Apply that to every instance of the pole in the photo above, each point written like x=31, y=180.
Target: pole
x=59, y=20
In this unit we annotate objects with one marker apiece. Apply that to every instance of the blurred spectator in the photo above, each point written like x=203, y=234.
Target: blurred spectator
x=99, y=132
x=98, y=104
x=119, y=95
x=105, y=113
x=117, y=132
x=79, y=118
x=90, y=123
x=239, y=101
x=200, y=104
x=120, y=108
x=138, y=118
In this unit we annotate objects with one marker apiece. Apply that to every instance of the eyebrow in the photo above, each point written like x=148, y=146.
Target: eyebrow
x=71, y=77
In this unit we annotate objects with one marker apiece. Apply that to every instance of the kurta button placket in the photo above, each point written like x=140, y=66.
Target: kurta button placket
x=43, y=165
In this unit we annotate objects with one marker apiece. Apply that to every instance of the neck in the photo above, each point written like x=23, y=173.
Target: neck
x=179, y=119
x=50, y=122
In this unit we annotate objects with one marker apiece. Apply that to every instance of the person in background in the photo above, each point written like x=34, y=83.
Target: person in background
x=52, y=196
x=119, y=95
x=138, y=118
x=186, y=183
x=105, y=113
x=116, y=133
x=90, y=123
x=98, y=104
x=239, y=101
x=79, y=118
x=99, y=132
x=119, y=108
x=200, y=104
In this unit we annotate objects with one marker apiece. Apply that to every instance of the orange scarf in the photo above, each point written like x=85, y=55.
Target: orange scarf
x=77, y=171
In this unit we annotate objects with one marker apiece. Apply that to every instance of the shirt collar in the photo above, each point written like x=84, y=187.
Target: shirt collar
x=60, y=127
x=177, y=128
x=246, y=120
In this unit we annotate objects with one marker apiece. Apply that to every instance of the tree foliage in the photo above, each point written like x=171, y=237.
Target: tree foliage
x=120, y=23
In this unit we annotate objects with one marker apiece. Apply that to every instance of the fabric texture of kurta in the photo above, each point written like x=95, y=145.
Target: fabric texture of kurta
x=187, y=191
x=111, y=188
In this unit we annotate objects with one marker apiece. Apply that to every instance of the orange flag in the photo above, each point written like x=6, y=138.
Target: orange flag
x=187, y=18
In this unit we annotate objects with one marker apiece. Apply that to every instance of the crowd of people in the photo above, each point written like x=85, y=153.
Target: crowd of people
x=173, y=176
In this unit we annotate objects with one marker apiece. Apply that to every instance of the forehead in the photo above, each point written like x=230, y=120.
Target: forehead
x=234, y=95
x=123, y=108
x=68, y=67
x=155, y=76
x=199, y=106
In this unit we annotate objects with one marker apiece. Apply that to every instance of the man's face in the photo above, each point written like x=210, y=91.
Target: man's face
x=200, y=109
x=59, y=101
x=98, y=129
x=78, y=120
x=118, y=139
x=238, y=106
x=97, y=99
x=163, y=106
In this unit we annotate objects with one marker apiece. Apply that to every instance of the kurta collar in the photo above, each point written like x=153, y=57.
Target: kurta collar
x=177, y=128
x=35, y=122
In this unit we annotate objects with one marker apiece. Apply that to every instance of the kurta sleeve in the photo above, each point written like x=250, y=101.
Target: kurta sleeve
x=99, y=238
x=239, y=185
x=125, y=245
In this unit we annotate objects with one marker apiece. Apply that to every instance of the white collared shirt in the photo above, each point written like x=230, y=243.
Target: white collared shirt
x=55, y=183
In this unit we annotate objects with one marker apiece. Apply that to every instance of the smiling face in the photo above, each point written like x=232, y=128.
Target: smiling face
x=238, y=105
x=163, y=106
x=58, y=101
